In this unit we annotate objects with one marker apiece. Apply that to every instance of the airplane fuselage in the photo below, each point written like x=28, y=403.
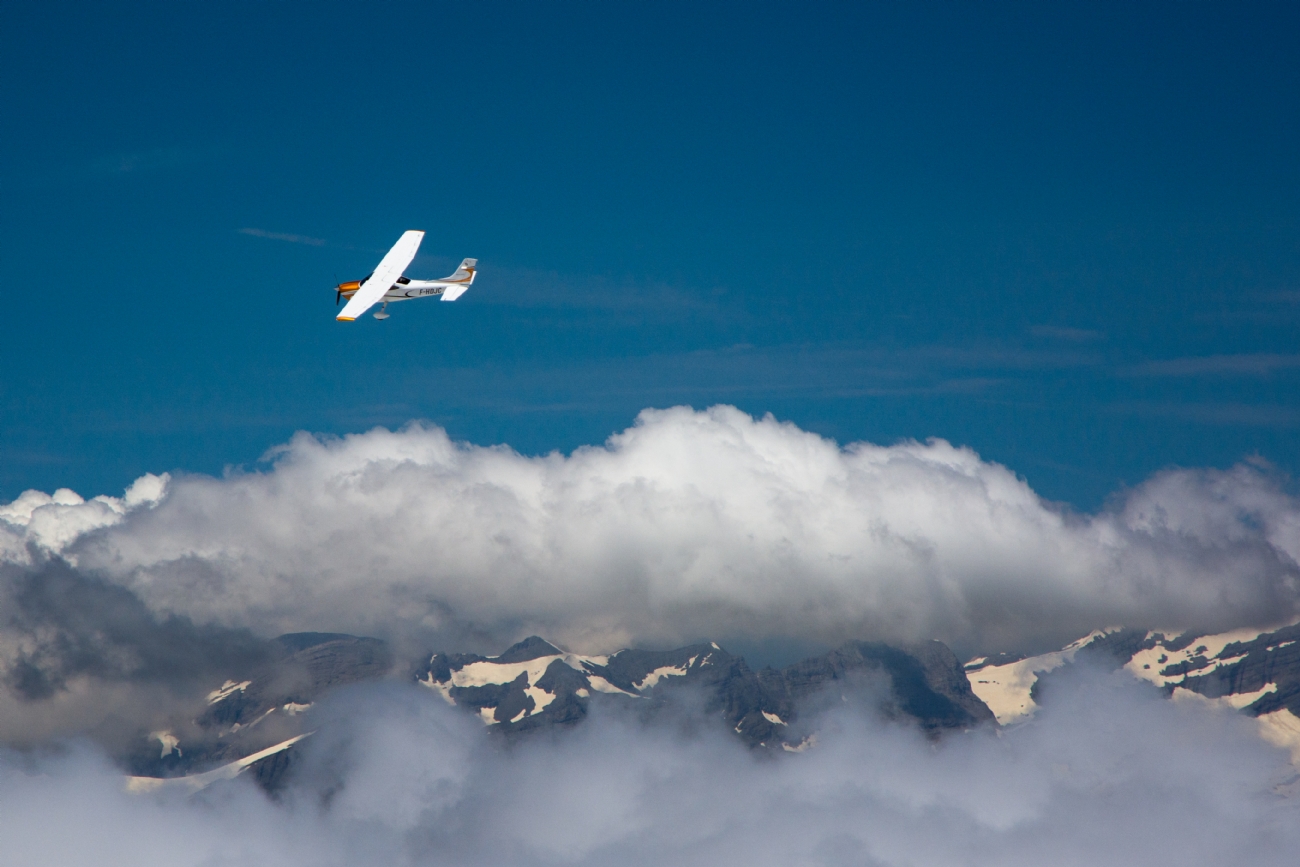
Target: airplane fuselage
x=403, y=290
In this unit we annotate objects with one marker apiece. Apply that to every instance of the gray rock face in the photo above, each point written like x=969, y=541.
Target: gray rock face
x=927, y=681
x=1243, y=668
x=246, y=717
x=306, y=664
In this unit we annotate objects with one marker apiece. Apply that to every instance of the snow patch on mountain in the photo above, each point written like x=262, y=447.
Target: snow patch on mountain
x=492, y=672
x=499, y=672
x=197, y=782
x=599, y=684
x=168, y=741
x=1255, y=671
x=1162, y=666
x=805, y=744
x=653, y=677
x=541, y=698
x=227, y=689
x=1007, y=689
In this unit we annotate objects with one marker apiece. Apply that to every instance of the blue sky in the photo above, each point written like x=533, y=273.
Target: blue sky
x=1066, y=235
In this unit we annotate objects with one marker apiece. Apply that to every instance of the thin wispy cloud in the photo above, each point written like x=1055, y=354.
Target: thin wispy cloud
x=1248, y=364
x=284, y=236
x=537, y=289
x=136, y=162
x=1058, y=332
x=121, y=165
x=1224, y=414
x=739, y=372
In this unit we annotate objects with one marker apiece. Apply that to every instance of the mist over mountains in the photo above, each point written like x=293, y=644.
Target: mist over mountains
x=392, y=773
x=393, y=647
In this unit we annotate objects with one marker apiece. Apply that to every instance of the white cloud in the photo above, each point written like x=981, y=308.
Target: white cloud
x=54, y=522
x=687, y=525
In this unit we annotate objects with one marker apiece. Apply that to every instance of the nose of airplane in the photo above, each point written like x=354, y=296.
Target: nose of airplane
x=349, y=287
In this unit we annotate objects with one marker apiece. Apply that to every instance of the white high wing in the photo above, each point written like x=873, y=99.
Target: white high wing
x=387, y=283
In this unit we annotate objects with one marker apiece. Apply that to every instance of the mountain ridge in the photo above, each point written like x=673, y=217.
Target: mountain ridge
x=534, y=685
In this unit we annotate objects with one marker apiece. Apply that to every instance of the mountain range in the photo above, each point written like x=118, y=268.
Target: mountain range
x=253, y=725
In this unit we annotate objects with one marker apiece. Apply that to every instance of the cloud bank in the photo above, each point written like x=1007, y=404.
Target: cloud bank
x=394, y=776
x=117, y=614
x=688, y=525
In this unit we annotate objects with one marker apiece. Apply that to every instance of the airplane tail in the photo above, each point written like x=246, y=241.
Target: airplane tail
x=464, y=274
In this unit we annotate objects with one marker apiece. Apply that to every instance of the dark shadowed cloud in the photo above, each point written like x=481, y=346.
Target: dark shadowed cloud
x=79, y=655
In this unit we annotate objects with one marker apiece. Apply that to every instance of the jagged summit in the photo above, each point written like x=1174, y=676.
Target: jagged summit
x=531, y=647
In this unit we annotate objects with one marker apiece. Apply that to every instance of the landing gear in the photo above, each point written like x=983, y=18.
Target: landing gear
x=380, y=314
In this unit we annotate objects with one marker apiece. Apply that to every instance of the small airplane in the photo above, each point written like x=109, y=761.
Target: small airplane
x=387, y=284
